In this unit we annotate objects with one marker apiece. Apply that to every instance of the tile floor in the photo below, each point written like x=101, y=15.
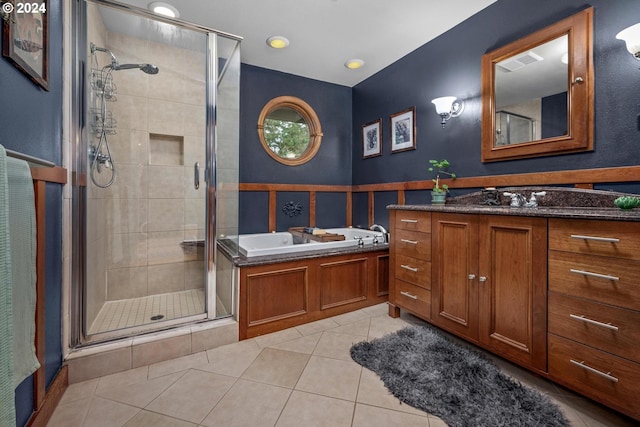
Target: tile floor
x=301, y=376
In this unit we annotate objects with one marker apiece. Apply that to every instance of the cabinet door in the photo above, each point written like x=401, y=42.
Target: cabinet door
x=454, y=290
x=513, y=287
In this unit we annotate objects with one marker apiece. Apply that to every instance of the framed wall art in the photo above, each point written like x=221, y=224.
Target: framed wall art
x=25, y=39
x=372, y=139
x=403, y=130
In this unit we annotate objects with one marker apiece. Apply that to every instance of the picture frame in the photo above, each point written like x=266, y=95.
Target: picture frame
x=403, y=130
x=25, y=36
x=372, y=139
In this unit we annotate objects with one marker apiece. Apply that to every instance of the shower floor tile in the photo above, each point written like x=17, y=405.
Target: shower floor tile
x=133, y=312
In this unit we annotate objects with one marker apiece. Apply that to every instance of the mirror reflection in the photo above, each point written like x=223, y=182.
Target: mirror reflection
x=531, y=92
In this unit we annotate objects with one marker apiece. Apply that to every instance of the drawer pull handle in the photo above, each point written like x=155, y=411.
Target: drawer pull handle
x=593, y=322
x=406, y=267
x=597, y=239
x=594, y=370
x=412, y=242
x=412, y=221
x=598, y=275
x=408, y=295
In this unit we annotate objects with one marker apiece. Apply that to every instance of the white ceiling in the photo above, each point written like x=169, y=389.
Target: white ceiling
x=323, y=34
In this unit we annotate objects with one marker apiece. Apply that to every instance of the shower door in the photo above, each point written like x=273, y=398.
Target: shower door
x=151, y=185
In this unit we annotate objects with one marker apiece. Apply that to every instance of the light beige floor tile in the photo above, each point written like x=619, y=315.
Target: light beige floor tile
x=277, y=367
x=277, y=337
x=304, y=345
x=383, y=325
x=330, y=377
x=372, y=391
x=311, y=410
x=377, y=310
x=317, y=326
x=139, y=394
x=79, y=391
x=193, y=396
x=71, y=414
x=437, y=422
x=151, y=419
x=158, y=351
x=176, y=365
x=130, y=376
x=232, y=359
x=107, y=413
x=371, y=416
x=359, y=327
x=337, y=346
x=249, y=404
x=351, y=317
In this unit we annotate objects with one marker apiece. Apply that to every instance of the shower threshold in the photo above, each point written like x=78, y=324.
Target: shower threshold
x=134, y=312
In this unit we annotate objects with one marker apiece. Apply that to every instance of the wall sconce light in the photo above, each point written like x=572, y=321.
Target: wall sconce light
x=447, y=107
x=631, y=37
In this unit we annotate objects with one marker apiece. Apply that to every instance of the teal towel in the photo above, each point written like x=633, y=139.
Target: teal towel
x=7, y=406
x=22, y=236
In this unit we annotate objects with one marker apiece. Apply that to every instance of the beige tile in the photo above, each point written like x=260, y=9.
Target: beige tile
x=165, y=278
x=166, y=117
x=126, y=215
x=371, y=416
x=377, y=310
x=207, y=339
x=166, y=215
x=79, y=391
x=312, y=410
x=304, y=345
x=138, y=394
x=157, y=351
x=98, y=365
x=151, y=419
x=123, y=283
x=166, y=182
x=165, y=248
x=70, y=414
x=249, y=404
x=130, y=147
x=131, y=112
x=127, y=250
x=330, y=377
x=194, y=274
x=107, y=413
x=193, y=396
x=336, y=346
x=232, y=359
x=131, y=183
x=317, y=326
x=351, y=317
x=383, y=325
x=359, y=327
x=122, y=379
x=371, y=391
x=277, y=337
x=277, y=367
x=178, y=364
x=436, y=422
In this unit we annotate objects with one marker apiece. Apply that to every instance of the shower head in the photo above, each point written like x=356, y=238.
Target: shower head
x=102, y=49
x=147, y=68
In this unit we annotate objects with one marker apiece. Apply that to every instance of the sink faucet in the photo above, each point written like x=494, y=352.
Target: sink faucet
x=517, y=199
x=381, y=229
x=533, y=202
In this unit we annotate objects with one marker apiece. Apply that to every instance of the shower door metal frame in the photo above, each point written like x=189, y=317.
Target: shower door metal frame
x=77, y=334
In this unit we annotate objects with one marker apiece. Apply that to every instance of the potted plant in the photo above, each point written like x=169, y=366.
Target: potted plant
x=439, y=192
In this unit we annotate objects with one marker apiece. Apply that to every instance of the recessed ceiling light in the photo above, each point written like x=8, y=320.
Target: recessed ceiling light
x=165, y=9
x=277, y=42
x=354, y=64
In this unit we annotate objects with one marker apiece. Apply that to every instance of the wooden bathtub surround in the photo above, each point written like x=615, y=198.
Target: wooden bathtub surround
x=278, y=296
x=558, y=296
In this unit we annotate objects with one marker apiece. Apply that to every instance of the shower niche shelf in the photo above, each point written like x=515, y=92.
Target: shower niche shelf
x=167, y=150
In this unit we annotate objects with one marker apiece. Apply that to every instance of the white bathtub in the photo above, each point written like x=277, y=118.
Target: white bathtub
x=283, y=242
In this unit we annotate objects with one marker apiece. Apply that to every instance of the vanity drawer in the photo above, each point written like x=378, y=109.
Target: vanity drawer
x=611, y=329
x=605, y=238
x=414, y=270
x=607, y=280
x=413, y=298
x=609, y=379
x=413, y=244
x=413, y=221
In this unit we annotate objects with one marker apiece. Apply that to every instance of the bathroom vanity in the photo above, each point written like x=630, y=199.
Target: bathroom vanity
x=555, y=289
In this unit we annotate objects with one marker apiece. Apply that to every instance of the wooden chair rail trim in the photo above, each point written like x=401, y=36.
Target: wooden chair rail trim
x=55, y=174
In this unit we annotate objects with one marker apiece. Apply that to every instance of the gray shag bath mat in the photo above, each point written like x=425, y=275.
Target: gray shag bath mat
x=428, y=371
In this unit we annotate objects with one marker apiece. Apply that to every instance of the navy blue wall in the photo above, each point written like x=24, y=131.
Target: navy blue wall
x=450, y=65
x=31, y=122
x=330, y=166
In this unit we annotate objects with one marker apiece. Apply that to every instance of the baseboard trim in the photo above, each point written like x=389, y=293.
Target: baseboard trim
x=42, y=415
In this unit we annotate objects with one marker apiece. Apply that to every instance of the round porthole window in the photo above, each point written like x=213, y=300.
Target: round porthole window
x=289, y=130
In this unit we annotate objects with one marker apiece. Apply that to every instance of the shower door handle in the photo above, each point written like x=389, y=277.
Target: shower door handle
x=196, y=175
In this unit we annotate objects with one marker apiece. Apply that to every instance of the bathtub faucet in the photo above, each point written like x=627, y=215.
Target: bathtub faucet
x=381, y=229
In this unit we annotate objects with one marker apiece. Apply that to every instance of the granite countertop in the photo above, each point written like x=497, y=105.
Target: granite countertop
x=557, y=203
x=242, y=261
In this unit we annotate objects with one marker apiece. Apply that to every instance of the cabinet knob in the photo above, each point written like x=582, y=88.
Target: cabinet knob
x=482, y=279
x=472, y=276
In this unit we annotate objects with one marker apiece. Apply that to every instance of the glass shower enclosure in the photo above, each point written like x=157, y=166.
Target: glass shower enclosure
x=158, y=168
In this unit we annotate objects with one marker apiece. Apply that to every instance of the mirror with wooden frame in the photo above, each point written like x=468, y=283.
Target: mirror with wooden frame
x=289, y=130
x=537, y=93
